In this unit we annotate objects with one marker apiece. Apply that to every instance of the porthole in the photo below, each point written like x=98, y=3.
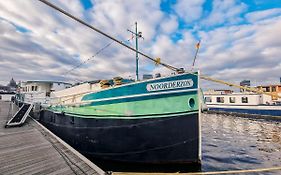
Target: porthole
x=191, y=102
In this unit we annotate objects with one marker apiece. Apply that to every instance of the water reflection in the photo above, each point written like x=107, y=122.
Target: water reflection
x=228, y=143
x=231, y=142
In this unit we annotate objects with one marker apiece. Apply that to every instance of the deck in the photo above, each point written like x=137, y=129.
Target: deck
x=32, y=149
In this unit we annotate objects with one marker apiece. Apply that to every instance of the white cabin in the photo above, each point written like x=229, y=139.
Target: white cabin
x=74, y=94
x=241, y=99
x=40, y=91
x=6, y=96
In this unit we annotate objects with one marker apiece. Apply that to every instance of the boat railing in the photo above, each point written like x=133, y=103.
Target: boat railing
x=72, y=104
x=31, y=100
x=70, y=95
x=63, y=100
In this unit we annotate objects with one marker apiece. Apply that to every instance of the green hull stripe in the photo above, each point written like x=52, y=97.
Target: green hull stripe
x=130, y=117
x=141, y=108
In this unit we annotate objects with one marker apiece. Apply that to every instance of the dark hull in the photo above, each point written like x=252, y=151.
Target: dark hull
x=268, y=112
x=169, y=140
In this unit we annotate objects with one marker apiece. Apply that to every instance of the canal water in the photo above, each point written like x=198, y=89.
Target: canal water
x=235, y=143
x=228, y=143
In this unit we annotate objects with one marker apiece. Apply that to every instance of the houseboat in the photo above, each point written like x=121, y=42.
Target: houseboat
x=7, y=96
x=242, y=103
x=38, y=91
x=155, y=121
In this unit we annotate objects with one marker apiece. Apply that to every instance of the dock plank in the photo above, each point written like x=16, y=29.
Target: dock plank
x=32, y=149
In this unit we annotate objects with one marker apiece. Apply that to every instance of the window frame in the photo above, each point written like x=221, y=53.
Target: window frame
x=232, y=99
x=244, y=100
x=220, y=99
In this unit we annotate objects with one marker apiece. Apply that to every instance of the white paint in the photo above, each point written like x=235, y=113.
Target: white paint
x=132, y=96
x=169, y=85
x=39, y=91
x=73, y=94
x=6, y=97
x=253, y=99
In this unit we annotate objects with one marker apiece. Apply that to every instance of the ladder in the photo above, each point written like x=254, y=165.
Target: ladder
x=19, y=118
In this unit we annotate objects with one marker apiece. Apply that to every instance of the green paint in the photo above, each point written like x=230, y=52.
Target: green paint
x=161, y=106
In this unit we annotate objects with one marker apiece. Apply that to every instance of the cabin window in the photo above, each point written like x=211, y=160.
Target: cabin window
x=267, y=89
x=231, y=99
x=32, y=88
x=220, y=99
x=35, y=88
x=244, y=99
x=273, y=89
x=208, y=99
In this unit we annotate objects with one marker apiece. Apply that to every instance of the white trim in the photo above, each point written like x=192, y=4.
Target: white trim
x=255, y=107
x=15, y=114
x=144, y=95
x=174, y=84
x=23, y=118
x=129, y=96
x=128, y=117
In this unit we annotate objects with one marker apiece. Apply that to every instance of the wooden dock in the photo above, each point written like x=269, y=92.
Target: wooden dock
x=32, y=149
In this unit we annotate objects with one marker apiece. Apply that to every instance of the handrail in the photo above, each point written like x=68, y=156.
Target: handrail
x=82, y=93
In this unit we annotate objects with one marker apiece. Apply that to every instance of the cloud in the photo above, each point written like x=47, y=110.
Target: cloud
x=264, y=14
x=54, y=44
x=169, y=25
x=189, y=10
x=242, y=52
x=225, y=12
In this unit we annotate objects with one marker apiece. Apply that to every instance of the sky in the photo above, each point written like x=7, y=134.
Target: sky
x=240, y=39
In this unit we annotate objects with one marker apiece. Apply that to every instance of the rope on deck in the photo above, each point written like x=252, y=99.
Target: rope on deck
x=204, y=173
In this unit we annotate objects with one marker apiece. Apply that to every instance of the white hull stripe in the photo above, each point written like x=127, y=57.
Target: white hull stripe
x=128, y=117
x=254, y=107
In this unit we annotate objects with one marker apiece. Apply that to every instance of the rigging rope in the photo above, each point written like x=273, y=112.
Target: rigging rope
x=108, y=36
x=156, y=61
x=98, y=52
x=238, y=86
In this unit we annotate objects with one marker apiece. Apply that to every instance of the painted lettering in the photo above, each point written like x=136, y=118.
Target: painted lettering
x=169, y=85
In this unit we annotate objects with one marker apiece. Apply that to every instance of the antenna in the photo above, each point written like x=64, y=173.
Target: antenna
x=195, y=56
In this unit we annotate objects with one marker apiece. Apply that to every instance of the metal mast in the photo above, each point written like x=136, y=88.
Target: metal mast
x=137, y=54
x=137, y=35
